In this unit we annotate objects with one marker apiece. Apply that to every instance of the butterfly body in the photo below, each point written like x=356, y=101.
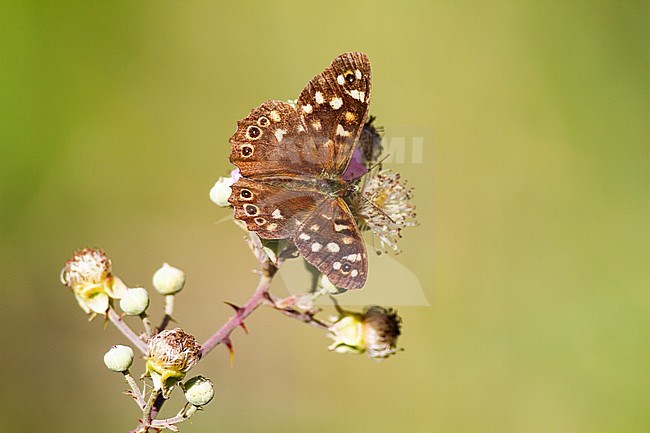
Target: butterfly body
x=292, y=159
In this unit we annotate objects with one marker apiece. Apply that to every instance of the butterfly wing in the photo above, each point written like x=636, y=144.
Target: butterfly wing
x=334, y=106
x=330, y=240
x=272, y=142
x=273, y=212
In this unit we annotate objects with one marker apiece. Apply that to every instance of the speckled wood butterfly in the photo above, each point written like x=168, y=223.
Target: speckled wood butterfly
x=292, y=158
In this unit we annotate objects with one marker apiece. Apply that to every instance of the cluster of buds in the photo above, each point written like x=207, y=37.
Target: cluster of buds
x=169, y=354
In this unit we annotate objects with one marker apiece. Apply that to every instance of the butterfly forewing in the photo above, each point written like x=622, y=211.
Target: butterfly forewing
x=273, y=142
x=330, y=240
x=334, y=106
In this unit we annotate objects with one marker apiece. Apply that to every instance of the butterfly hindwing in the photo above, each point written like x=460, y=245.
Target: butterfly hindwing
x=330, y=240
x=334, y=106
x=273, y=212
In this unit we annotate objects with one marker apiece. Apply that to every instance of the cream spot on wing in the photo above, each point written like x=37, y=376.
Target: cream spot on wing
x=318, y=96
x=357, y=73
x=274, y=115
x=339, y=227
x=279, y=133
x=272, y=226
x=348, y=240
x=362, y=96
x=352, y=257
x=354, y=273
x=340, y=80
x=316, y=124
x=333, y=247
x=349, y=116
x=304, y=236
x=307, y=108
x=336, y=265
x=314, y=228
x=342, y=132
x=300, y=128
x=336, y=103
x=354, y=93
x=315, y=247
x=359, y=256
x=277, y=214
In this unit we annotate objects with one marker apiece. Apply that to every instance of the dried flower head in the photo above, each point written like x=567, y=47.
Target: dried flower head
x=382, y=329
x=171, y=354
x=375, y=332
x=385, y=207
x=88, y=274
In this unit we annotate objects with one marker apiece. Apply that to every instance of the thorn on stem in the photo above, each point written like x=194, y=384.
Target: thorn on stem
x=234, y=306
x=231, y=349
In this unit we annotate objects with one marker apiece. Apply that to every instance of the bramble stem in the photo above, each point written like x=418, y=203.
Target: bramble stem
x=124, y=329
x=146, y=419
x=147, y=325
x=306, y=317
x=180, y=417
x=223, y=334
x=134, y=388
x=169, y=312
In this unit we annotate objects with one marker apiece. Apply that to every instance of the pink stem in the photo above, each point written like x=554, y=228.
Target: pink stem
x=223, y=334
x=124, y=329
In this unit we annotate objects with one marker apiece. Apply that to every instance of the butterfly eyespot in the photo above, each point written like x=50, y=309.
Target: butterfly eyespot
x=247, y=151
x=253, y=132
x=263, y=121
x=346, y=267
x=245, y=194
x=349, y=77
x=251, y=210
x=260, y=221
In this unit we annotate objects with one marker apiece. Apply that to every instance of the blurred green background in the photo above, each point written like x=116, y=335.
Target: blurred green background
x=532, y=197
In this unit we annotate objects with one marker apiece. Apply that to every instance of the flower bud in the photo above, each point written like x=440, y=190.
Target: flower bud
x=171, y=354
x=168, y=280
x=135, y=301
x=221, y=191
x=88, y=274
x=119, y=358
x=374, y=332
x=199, y=391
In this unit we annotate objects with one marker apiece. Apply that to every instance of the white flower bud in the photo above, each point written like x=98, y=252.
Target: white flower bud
x=221, y=191
x=119, y=358
x=135, y=301
x=168, y=280
x=199, y=391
